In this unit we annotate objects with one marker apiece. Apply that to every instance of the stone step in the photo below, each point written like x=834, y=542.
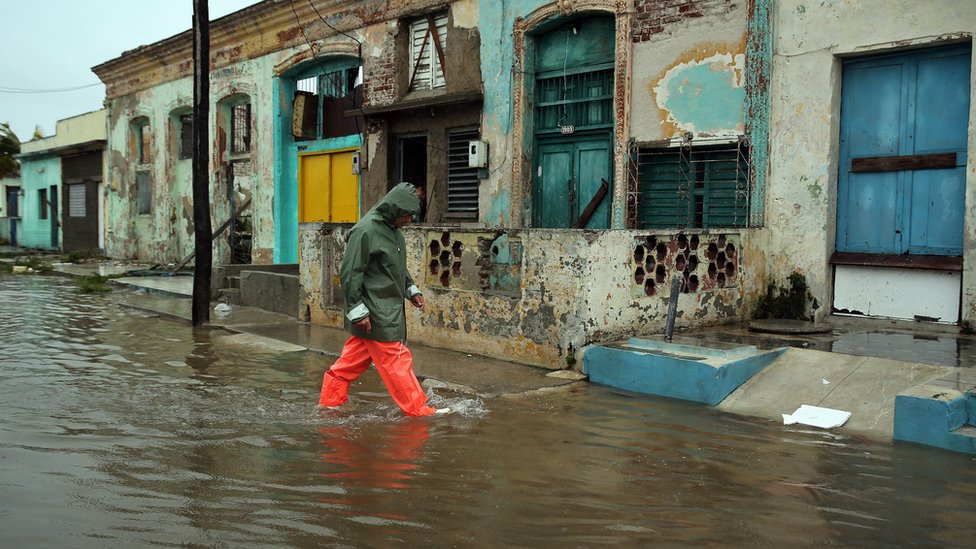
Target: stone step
x=230, y=296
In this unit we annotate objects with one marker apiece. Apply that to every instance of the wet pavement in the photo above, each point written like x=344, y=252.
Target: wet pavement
x=124, y=428
x=171, y=296
x=857, y=365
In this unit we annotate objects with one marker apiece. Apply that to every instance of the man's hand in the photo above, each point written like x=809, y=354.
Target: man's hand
x=364, y=324
x=418, y=301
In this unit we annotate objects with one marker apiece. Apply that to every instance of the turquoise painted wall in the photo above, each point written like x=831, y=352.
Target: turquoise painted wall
x=496, y=21
x=36, y=174
x=286, y=163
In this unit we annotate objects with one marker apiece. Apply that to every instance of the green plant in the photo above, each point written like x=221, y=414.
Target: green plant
x=93, y=284
x=6, y=268
x=35, y=264
x=81, y=255
x=786, y=302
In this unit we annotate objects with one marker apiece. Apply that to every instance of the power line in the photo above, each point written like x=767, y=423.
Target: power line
x=11, y=89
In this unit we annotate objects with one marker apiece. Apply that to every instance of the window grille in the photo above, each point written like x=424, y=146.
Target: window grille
x=321, y=103
x=241, y=128
x=42, y=198
x=583, y=100
x=145, y=145
x=462, y=181
x=693, y=187
x=186, y=136
x=428, y=42
x=76, y=200
x=143, y=192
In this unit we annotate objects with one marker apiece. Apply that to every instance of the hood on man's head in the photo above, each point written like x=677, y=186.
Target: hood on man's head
x=400, y=201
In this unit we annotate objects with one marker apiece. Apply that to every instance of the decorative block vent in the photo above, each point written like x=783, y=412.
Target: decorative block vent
x=704, y=262
x=445, y=259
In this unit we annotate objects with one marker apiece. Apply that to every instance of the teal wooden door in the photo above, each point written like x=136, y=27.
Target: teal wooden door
x=591, y=165
x=902, y=178
x=569, y=174
x=554, y=184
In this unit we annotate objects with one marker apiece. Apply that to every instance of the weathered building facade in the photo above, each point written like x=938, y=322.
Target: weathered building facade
x=871, y=191
x=589, y=109
x=577, y=157
x=61, y=199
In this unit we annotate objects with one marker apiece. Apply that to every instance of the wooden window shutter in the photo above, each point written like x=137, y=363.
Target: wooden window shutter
x=428, y=41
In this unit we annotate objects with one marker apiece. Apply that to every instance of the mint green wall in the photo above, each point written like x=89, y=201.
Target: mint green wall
x=36, y=174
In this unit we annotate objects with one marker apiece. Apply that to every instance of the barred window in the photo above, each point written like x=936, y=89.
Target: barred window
x=321, y=103
x=186, y=136
x=240, y=128
x=144, y=143
x=693, y=187
x=143, y=192
x=42, y=203
x=583, y=100
x=462, y=181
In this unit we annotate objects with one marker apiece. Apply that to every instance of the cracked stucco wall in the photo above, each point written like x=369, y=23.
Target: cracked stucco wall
x=574, y=288
x=811, y=39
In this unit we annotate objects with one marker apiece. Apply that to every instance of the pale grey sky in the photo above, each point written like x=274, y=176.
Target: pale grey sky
x=53, y=44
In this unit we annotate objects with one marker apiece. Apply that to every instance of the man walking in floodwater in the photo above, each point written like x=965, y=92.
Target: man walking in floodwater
x=375, y=282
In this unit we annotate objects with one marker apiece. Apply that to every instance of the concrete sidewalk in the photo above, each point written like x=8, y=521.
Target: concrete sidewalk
x=171, y=297
x=858, y=365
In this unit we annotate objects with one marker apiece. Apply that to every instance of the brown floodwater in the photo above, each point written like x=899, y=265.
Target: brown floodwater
x=121, y=429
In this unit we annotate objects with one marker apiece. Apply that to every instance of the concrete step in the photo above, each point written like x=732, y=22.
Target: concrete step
x=232, y=282
x=700, y=373
x=230, y=296
x=967, y=431
x=271, y=291
x=937, y=416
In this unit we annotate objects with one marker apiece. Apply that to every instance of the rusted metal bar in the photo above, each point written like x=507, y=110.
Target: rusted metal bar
x=222, y=228
x=432, y=28
x=592, y=206
x=908, y=162
x=420, y=56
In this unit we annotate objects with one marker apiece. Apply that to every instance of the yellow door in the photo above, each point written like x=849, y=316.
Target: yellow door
x=327, y=188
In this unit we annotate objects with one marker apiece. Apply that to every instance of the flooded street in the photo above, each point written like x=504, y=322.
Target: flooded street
x=122, y=429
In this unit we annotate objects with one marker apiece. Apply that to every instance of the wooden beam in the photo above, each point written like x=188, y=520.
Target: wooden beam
x=909, y=162
x=906, y=261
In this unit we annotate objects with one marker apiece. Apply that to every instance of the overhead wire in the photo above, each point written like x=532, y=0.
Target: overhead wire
x=11, y=89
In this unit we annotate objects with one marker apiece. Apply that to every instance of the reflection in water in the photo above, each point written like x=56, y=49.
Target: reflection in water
x=121, y=429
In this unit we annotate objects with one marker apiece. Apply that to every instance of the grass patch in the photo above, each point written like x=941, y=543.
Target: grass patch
x=785, y=302
x=36, y=265
x=93, y=284
x=78, y=256
x=6, y=268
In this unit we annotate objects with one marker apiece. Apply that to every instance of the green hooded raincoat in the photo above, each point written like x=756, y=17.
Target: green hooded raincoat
x=374, y=274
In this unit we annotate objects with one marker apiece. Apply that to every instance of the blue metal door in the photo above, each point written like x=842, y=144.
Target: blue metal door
x=903, y=153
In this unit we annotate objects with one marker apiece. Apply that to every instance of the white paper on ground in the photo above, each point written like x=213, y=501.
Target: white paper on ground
x=825, y=418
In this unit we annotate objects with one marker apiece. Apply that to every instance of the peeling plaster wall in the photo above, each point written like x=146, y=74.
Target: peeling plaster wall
x=497, y=66
x=571, y=288
x=690, y=76
x=811, y=37
x=166, y=234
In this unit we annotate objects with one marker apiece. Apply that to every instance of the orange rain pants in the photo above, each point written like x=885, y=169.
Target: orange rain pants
x=395, y=365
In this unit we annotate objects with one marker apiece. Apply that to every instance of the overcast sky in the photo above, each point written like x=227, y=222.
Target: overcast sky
x=53, y=44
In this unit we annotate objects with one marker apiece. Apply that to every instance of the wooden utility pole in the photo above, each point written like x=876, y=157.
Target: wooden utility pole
x=201, y=154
